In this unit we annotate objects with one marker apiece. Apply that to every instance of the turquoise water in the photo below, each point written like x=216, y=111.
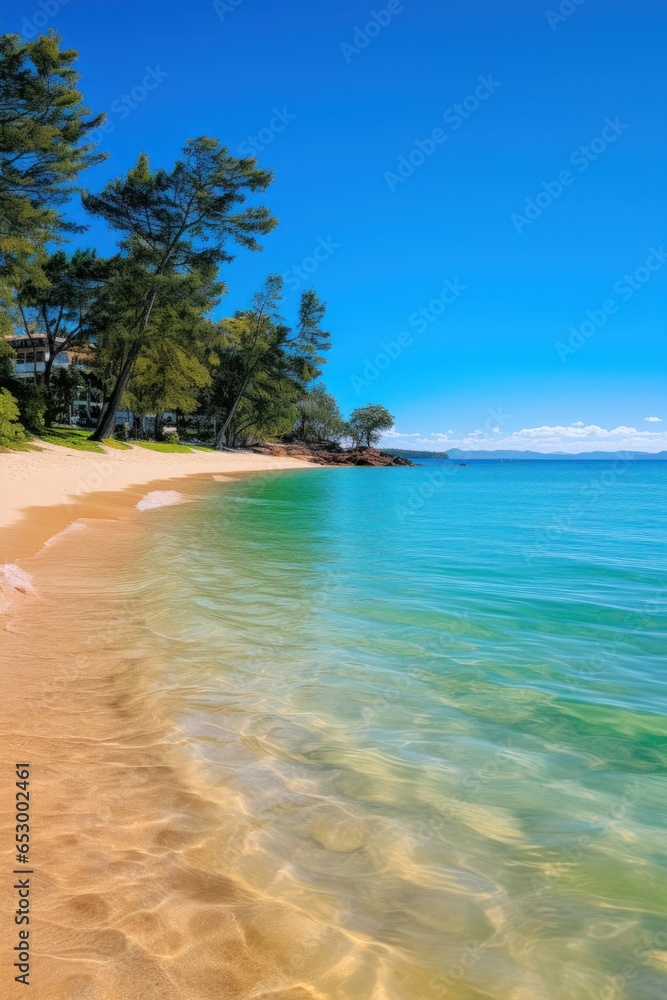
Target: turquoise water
x=436, y=699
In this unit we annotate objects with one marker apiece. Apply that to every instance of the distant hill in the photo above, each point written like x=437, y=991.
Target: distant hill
x=406, y=453
x=609, y=456
x=457, y=455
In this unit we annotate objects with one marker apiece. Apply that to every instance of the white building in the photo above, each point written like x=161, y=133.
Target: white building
x=32, y=353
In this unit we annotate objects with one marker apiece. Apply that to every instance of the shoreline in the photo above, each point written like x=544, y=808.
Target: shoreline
x=57, y=475
x=43, y=491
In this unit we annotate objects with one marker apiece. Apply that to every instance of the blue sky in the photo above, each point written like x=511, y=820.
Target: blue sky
x=478, y=193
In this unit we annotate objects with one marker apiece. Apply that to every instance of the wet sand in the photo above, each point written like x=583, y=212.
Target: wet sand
x=126, y=898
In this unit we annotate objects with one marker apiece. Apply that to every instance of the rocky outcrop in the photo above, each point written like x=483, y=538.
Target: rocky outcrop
x=329, y=453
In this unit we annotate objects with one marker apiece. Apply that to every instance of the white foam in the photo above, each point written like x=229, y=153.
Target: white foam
x=17, y=578
x=74, y=526
x=159, y=498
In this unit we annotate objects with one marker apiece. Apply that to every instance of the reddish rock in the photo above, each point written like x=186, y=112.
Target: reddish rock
x=329, y=453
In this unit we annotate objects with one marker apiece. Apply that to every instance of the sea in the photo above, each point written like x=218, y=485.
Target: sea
x=434, y=700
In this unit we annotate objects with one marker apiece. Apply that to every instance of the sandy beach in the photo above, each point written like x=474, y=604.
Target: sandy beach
x=56, y=475
x=44, y=491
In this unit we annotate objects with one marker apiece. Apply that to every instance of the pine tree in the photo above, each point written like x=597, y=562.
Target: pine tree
x=172, y=224
x=257, y=343
x=45, y=142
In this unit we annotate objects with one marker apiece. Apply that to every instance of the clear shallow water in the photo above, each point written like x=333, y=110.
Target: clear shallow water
x=437, y=700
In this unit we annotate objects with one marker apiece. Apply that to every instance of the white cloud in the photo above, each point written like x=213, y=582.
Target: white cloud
x=653, y=420
x=571, y=440
x=496, y=430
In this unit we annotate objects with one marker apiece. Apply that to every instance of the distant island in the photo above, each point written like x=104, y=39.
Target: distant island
x=407, y=453
x=455, y=455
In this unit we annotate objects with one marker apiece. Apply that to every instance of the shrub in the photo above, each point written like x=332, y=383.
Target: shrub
x=11, y=430
x=32, y=405
x=170, y=435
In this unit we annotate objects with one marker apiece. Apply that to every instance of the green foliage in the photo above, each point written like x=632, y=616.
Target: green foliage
x=44, y=144
x=7, y=358
x=183, y=218
x=167, y=378
x=29, y=397
x=310, y=342
x=32, y=404
x=265, y=365
x=61, y=294
x=367, y=423
x=11, y=430
x=70, y=437
x=266, y=411
x=319, y=416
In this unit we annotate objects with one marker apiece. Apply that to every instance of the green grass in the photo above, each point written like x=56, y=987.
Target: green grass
x=71, y=437
x=164, y=446
x=201, y=447
x=18, y=446
x=120, y=445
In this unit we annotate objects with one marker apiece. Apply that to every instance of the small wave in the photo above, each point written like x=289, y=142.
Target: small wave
x=159, y=498
x=74, y=526
x=17, y=578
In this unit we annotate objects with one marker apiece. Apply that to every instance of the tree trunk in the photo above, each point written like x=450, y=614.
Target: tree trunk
x=48, y=415
x=222, y=433
x=107, y=423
